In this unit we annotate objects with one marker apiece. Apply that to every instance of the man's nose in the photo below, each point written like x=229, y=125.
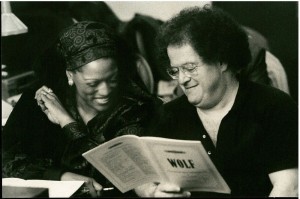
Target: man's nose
x=182, y=78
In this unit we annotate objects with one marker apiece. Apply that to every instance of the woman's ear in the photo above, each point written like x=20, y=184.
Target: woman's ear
x=69, y=74
x=70, y=78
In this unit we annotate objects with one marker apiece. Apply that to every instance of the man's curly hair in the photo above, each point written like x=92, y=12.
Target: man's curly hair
x=213, y=34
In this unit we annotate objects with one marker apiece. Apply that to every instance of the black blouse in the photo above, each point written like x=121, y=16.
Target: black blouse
x=35, y=148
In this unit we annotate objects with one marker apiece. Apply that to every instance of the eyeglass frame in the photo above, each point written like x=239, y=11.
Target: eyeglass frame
x=183, y=69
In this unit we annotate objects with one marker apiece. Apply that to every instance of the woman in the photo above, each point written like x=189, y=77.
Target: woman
x=100, y=103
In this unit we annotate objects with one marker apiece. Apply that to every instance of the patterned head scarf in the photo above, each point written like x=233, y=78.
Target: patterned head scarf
x=85, y=42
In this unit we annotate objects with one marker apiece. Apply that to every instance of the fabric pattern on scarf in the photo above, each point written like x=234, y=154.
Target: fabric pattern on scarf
x=85, y=42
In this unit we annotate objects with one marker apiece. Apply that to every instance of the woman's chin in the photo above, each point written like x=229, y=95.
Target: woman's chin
x=101, y=107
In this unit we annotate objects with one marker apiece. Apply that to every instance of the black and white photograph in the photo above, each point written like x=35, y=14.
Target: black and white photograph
x=149, y=99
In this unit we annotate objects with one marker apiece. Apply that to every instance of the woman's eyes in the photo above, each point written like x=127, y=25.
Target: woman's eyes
x=94, y=84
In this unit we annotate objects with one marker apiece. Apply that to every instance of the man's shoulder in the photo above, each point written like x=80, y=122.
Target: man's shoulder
x=259, y=96
x=268, y=93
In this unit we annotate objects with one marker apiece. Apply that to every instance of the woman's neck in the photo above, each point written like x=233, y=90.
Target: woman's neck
x=85, y=111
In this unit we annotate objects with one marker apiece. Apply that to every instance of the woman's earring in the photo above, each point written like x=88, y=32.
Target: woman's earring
x=70, y=82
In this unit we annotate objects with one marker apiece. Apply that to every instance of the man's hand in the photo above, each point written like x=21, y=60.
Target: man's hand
x=161, y=190
x=285, y=183
x=91, y=184
x=52, y=107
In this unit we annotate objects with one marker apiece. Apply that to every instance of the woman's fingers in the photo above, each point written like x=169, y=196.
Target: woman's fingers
x=37, y=93
x=94, y=187
x=58, y=113
x=50, y=96
x=49, y=101
x=41, y=102
x=47, y=98
x=97, y=187
x=43, y=107
x=44, y=89
x=92, y=190
x=49, y=107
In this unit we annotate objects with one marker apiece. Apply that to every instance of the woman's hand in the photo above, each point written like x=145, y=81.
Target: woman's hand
x=91, y=184
x=52, y=107
x=165, y=190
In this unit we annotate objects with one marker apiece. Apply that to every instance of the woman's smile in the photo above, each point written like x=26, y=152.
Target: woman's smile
x=102, y=100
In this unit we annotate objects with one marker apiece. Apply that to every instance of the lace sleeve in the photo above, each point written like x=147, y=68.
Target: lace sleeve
x=72, y=131
x=26, y=167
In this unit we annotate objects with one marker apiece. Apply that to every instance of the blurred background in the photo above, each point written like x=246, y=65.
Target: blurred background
x=159, y=9
x=278, y=22
x=275, y=22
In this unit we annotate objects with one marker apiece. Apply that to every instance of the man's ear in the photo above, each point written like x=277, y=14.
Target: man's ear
x=223, y=66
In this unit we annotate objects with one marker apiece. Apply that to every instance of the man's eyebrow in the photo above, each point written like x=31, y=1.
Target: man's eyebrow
x=186, y=63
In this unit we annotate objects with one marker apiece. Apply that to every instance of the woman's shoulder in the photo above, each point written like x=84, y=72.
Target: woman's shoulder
x=136, y=107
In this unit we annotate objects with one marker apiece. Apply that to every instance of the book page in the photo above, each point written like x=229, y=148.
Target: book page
x=186, y=164
x=63, y=189
x=123, y=162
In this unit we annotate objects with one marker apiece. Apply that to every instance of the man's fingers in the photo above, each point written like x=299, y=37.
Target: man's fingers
x=170, y=190
x=166, y=187
x=174, y=195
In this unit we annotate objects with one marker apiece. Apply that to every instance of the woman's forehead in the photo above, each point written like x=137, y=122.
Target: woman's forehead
x=99, y=69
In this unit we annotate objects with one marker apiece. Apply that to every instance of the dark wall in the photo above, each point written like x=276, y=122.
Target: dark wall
x=278, y=22
x=44, y=21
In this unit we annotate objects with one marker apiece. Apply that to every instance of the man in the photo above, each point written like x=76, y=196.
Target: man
x=249, y=130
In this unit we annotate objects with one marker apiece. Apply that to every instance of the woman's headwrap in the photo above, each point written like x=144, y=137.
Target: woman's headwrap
x=85, y=42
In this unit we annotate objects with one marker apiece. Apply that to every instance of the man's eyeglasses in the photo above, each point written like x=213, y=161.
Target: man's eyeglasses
x=188, y=70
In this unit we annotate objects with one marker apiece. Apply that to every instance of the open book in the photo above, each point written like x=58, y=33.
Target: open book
x=129, y=161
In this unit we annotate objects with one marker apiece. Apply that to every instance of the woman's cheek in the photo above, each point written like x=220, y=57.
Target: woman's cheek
x=89, y=91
